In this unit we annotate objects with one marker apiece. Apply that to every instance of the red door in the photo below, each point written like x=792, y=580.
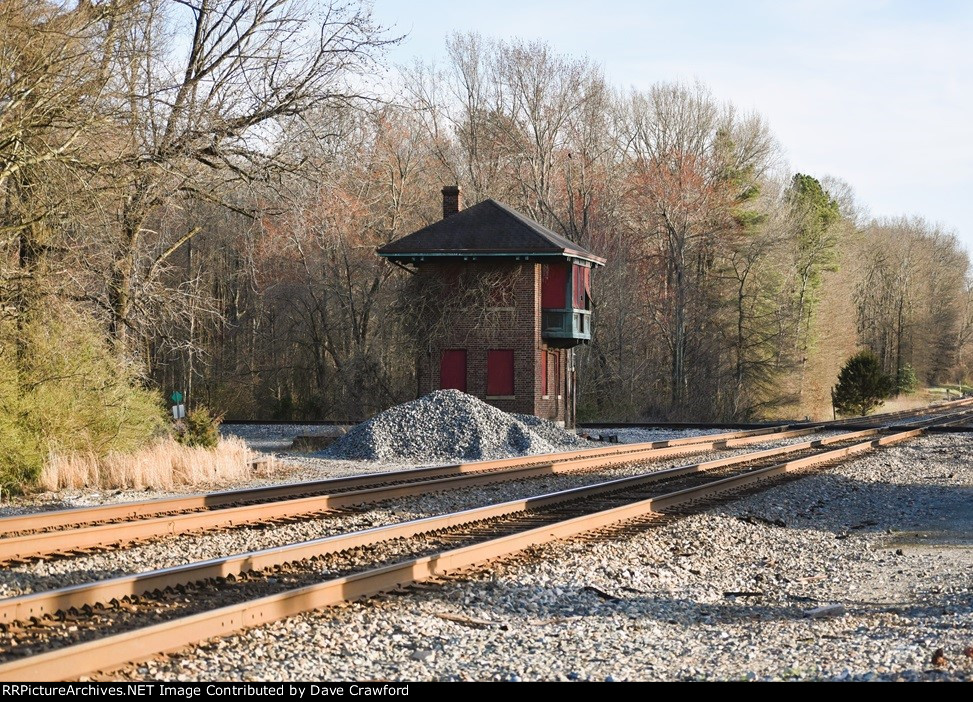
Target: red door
x=452, y=370
x=544, y=391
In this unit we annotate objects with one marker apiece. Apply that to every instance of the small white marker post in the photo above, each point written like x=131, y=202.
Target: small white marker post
x=178, y=409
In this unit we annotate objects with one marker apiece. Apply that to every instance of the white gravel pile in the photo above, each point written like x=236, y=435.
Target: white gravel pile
x=450, y=425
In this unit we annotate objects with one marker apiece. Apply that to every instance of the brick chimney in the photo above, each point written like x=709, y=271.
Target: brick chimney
x=452, y=200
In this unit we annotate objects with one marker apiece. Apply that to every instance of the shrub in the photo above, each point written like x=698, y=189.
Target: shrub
x=68, y=392
x=199, y=429
x=862, y=385
x=906, y=380
x=21, y=453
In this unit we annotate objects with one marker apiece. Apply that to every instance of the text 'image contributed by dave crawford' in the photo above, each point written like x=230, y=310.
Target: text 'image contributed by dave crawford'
x=190, y=691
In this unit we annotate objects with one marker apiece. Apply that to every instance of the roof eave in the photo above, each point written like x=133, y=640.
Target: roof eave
x=468, y=253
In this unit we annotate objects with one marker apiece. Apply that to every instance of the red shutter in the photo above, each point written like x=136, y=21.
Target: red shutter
x=544, y=373
x=500, y=373
x=554, y=284
x=452, y=370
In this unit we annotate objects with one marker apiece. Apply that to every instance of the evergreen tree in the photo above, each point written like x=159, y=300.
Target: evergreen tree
x=862, y=385
x=816, y=216
x=906, y=380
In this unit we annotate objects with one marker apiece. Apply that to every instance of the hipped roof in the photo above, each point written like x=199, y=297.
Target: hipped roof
x=488, y=228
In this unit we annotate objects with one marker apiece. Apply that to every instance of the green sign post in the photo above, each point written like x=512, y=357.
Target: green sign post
x=178, y=408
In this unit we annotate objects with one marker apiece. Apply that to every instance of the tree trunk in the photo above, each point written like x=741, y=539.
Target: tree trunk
x=678, y=376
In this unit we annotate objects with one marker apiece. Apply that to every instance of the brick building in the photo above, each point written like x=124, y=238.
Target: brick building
x=511, y=301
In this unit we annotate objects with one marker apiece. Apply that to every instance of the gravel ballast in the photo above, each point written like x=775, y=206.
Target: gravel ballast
x=862, y=571
x=450, y=425
x=173, y=550
x=443, y=427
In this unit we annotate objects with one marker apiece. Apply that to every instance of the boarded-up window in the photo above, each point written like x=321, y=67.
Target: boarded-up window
x=544, y=373
x=452, y=370
x=500, y=372
x=554, y=285
x=581, y=286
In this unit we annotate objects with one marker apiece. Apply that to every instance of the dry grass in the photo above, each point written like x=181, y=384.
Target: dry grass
x=906, y=402
x=163, y=465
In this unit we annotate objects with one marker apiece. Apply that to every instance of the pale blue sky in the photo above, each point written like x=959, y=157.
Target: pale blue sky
x=876, y=92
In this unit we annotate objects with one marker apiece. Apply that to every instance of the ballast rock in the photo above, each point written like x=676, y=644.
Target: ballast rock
x=449, y=425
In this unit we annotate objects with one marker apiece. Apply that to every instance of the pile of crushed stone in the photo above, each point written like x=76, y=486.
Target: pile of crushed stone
x=449, y=425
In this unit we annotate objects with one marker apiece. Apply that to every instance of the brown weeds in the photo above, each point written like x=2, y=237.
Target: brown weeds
x=164, y=465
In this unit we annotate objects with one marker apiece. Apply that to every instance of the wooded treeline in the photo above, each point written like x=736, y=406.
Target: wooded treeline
x=204, y=184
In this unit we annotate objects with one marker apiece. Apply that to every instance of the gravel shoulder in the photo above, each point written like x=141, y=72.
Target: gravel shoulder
x=184, y=548
x=273, y=441
x=885, y=543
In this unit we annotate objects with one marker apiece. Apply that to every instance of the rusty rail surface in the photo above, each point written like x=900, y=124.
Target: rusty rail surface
x=77, y=596
x=127, y=511
x=115, y=650
x=391, y=485
x=116, y=533
x=852, y=423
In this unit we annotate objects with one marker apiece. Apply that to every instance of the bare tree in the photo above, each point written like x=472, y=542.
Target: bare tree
x=910, y=297
x=54, y=69
x=204, y=122
x=692, y=161
x=211, y=179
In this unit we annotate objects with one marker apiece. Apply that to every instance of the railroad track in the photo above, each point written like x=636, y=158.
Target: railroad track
x=902, y=418
x=80, y=531
x=884, y=418
x=44, y=634
x=128, y=511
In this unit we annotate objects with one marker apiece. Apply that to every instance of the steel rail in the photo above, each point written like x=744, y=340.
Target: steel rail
x=947, y=405
x=24, y=607
x=116, y=650
x=103, y=535
x=940, y=420
x=852, y=422
x=113, y=534
x=951, y=424
x=128, y=511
